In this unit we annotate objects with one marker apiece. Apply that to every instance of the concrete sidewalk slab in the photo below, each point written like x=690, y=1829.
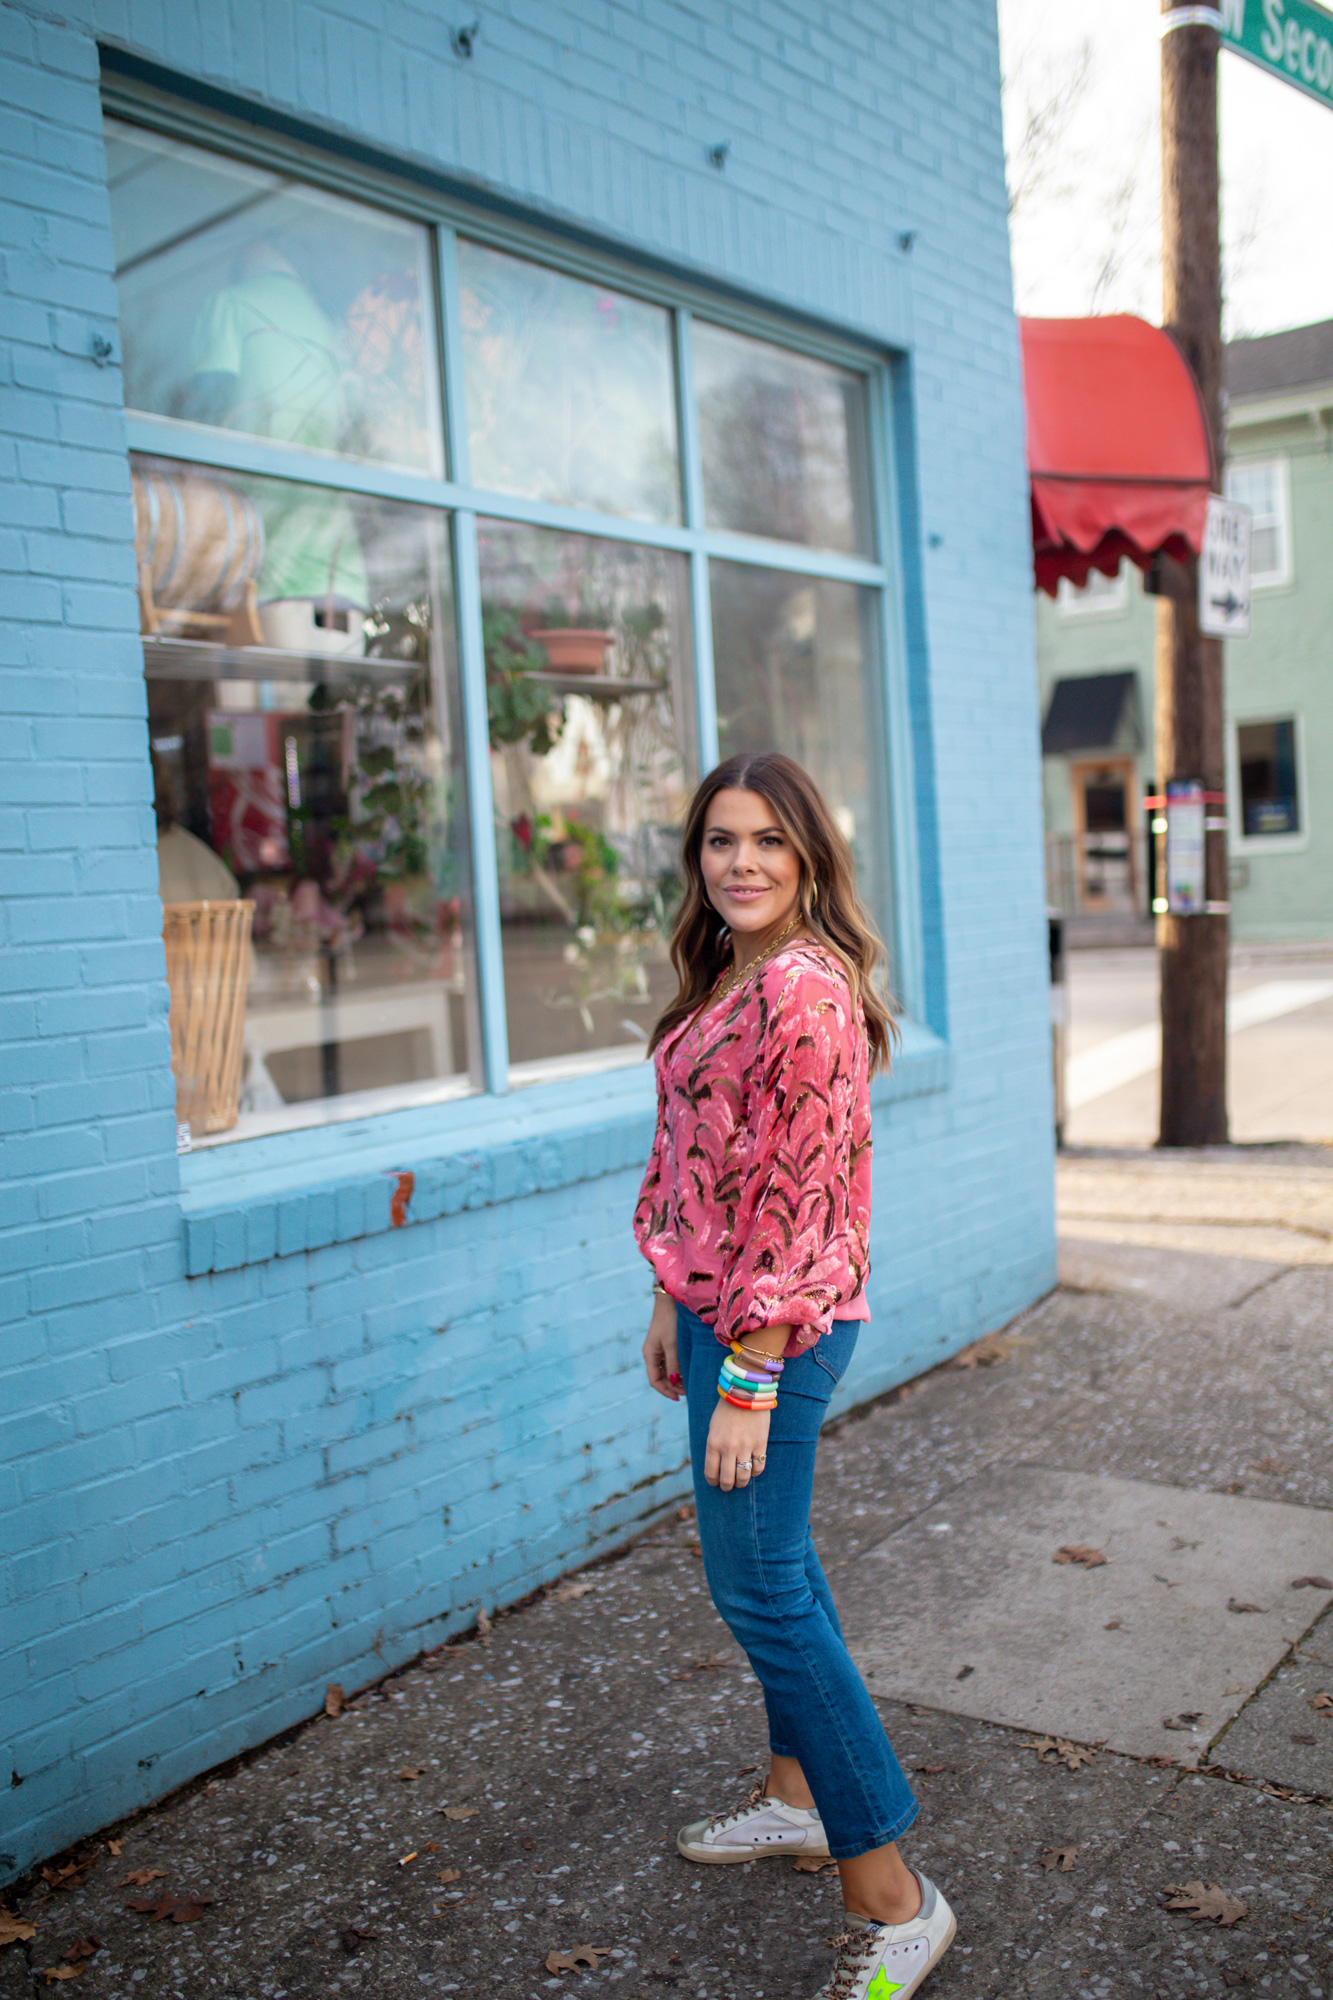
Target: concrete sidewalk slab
x=966, y=1609
x=1282, y=1737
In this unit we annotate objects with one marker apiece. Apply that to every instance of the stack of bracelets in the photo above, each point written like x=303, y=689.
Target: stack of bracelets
x=750, y=1379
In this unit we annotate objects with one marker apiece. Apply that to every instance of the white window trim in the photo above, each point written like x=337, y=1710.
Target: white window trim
x=1110, y=604
x=1238, y=841
x=1280, y=578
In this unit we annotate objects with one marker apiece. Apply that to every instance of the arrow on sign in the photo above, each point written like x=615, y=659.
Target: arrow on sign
x=1228, y=605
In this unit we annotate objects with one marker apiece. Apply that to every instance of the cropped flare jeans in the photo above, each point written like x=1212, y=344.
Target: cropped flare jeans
x=766, y=1581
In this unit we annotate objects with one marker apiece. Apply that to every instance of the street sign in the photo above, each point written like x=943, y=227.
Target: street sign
x=1224, y=571
x=1292, y=39
x=1185, y=890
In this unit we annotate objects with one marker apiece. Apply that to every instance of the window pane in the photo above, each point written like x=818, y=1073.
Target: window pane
x=306, y=757
x=592, y=757
x=1269, y=800
x=570, y=389
x=253, y=303
x=795, y=656
x=783, y=443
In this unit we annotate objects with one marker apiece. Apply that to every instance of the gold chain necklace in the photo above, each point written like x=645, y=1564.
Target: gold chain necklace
x=724, y=987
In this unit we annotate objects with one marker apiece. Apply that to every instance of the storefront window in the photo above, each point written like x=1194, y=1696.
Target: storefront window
x=589, y=687
x=255, y=304
x=570, y=389
x=312, y=671
x=794, y=658
x=306, y=760
x=782, y=440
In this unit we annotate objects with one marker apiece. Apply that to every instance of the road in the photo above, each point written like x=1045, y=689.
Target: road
x=1281, y=1046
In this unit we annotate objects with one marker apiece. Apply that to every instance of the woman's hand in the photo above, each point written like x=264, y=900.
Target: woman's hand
x=737, y=1446
x=659, y=1350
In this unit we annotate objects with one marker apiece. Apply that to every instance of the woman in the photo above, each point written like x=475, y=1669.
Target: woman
x=754, y=1214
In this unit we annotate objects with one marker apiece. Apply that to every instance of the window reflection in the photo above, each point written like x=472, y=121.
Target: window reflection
x=257, y=305
x=312, y=767
x=570, y=389
x=782, y=441
x=794, y=659
x=587, y=649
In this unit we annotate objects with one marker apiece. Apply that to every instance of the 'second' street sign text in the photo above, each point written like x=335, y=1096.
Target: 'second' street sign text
x=1224, y=571
x=1292, y=39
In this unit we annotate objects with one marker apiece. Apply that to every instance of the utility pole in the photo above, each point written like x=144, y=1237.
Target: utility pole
x=1189, y=724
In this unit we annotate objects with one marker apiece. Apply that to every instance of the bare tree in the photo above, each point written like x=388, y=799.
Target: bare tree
x=1042, y=92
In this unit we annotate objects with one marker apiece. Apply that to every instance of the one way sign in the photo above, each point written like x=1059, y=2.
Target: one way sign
x=1224, y=571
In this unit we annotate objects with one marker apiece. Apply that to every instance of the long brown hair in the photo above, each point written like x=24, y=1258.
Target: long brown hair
x=831, y=910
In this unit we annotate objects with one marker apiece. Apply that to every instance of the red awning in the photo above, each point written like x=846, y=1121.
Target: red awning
x=1118, y=447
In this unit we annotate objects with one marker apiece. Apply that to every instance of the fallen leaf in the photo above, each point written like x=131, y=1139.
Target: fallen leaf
x=709, y=1666
x=70, y=1869
x=1062, y=1858
x=460, y=1812
x=582, y=1954
x=1162, y=1763
x=1233, y=1976
x=50, y=1972
x=1079, y=1552
x=569, y=1592
x=176, y=1909
x=1322, y=1702
x=113, y=1847
x=1111, y=1625
x=1185, y=1720
x=693, y=1548
x=928, y=1770
x=450, y=1875
x=684, y=1513
x=1272, y=1467
x=1179, y=1542
x=335, y=1701
x=354, y=1937
x=811, y=1864
x=1205, y=1900
x=1059, y=1750
x=15, y=1930
x=1304, y=1739
x=483, y=1625
x=1234, y=1604
x=139, y=1878
x=1311, y=1583
x=527, y=1843
x=84, y=1947
x=1166, y=1580
x=403, y=1859
x=408, y=1775
x=963, y=1673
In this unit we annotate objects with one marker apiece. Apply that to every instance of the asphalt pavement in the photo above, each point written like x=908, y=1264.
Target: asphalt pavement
x=1125, y=1765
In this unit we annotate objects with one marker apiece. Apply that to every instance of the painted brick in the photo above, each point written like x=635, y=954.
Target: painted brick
x=269, y=1404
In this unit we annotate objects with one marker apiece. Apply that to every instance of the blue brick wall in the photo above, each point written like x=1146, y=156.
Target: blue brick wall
x=250, y=1442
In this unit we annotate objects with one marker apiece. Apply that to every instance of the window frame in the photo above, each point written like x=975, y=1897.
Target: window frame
x=1284, y=574
x=1240, y=842
x=1112, y=604
x=447, y=217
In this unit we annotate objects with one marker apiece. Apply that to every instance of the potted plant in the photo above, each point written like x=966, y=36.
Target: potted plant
x=572, y=648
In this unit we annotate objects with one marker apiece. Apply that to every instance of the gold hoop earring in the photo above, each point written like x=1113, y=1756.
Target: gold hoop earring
x=814, y=893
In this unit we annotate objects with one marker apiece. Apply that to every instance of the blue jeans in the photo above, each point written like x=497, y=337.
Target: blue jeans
x=766, y=1582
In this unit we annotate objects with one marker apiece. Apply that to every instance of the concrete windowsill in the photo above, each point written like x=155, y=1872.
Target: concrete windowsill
x=296, y=1191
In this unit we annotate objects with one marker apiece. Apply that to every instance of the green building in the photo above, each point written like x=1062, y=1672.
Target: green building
x=1095, y=649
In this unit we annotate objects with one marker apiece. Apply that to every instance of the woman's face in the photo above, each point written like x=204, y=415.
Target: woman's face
x=752, y=873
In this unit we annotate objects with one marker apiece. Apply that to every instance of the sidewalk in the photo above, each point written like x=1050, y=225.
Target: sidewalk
x=1171, y=1407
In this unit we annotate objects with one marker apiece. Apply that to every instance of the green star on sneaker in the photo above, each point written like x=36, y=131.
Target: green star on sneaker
x=890, y=1961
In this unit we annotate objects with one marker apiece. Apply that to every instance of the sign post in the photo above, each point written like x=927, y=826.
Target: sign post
x=1192, y=915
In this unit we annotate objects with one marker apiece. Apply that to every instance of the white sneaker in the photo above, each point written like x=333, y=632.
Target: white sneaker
x=759, y=1826
x=889, y=1961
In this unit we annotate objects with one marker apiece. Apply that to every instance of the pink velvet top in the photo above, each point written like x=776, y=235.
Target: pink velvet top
x=755, y=1207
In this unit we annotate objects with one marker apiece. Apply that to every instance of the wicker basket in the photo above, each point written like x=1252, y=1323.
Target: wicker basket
x=208, y=971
